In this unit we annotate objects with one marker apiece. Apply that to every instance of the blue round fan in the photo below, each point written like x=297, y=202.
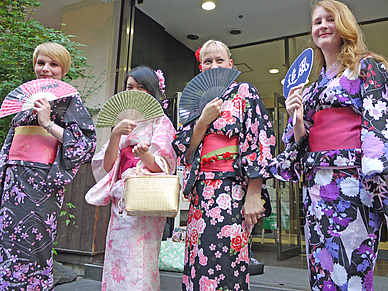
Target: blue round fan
x=202, y=89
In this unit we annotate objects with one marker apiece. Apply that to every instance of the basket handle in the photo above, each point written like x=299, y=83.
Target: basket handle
x=164, y=162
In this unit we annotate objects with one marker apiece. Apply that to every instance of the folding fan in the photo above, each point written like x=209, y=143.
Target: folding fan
x=202, y=89
x=135, y=105
x=24, y=96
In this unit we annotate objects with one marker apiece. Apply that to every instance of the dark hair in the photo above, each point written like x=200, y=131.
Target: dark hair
x=146, y=77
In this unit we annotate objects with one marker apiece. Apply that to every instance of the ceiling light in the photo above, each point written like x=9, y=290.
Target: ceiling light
x=235, y=31
x=208, y=5
x=273, y=71
x=192, y=36
x=282, y=82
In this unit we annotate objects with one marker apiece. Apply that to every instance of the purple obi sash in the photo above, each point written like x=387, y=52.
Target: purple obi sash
x=218, y=153
x=33, y=144
x=127, y=160
x=335, y=128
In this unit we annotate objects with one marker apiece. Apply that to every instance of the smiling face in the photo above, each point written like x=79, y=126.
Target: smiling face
x=46, y=68
x=215, y=57
x=133, y=85
x=324, y=32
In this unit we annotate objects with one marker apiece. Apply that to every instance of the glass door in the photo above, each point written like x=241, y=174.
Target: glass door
x=287, y=207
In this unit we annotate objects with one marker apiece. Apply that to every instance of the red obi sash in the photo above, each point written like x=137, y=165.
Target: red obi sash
x=335, y=128
x=218, y=153
x=33, y=144
x=127, y=160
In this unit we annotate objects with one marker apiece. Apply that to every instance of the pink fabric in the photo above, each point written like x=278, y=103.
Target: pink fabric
x=128, y=160
x=35, y=147
x=324, y=135
x=214, y=142
x=132, y=242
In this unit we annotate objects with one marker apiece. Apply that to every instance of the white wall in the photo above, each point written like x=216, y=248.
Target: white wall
x=96, y=26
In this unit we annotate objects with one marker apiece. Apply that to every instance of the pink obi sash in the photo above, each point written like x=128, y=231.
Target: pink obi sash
x=127, y=160
x=33, y=144
x=218, y=153
x=335, y=128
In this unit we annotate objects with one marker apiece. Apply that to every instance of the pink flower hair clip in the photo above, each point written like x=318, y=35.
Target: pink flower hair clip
x=162, y=80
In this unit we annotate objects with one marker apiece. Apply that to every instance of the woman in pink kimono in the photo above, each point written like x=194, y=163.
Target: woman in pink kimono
x=133, y=242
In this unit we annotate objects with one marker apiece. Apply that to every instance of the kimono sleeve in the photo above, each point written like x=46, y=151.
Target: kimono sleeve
x=257, y=139
x=181, y=144
x=4, y=155
x=79, y=137
x=374, y=127
x=161, y=143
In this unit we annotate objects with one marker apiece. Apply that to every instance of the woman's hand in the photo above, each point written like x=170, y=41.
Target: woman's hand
x=124, y=127
x=294, y=102
x=253, y=206
x=141, y=148
x=211, y=111
x=43, y=109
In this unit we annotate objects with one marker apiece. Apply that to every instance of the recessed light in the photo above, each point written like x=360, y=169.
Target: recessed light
x=208, y=5
x=192, y=36
x=274, y=71
x=235, y=31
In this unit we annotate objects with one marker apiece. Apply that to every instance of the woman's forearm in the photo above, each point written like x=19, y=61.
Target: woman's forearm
x=111, y=152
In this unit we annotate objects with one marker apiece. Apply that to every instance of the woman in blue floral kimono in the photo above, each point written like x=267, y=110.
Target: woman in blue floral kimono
x=223, y=152
x=31, y=186
x=339, y=143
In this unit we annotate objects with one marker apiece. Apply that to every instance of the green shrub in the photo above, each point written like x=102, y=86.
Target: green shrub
x=20, y=33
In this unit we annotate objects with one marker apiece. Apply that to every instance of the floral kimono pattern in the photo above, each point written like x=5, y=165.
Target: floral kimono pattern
x=218, y=238
x=32, y=196
x=345, y=194
x=133, y=242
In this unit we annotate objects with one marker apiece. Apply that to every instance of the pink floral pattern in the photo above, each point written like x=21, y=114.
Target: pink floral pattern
x=217, y=244
x=133, y=242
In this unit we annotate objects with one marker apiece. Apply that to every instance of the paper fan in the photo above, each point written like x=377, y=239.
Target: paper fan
x=24, y=96
x=202, y=89
x=135, y=105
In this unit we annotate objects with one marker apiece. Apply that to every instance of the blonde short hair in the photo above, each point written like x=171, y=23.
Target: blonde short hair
x=55, y=51
x=218, y=43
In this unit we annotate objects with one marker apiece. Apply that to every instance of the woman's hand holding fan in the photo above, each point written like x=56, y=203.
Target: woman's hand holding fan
x=211, y=111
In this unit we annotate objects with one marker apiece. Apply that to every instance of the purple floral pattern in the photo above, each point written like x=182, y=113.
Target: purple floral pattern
x=345, y=194
x=32, y=196
x=218, y=238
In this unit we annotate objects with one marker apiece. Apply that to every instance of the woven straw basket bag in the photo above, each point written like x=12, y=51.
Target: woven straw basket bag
x=156, y=195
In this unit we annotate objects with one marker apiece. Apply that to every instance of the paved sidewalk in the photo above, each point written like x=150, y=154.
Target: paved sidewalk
x=274, y=278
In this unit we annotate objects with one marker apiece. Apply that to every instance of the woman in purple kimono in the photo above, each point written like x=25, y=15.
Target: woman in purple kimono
x=32, y=187
x=223, y=153
x=339, y=143
x=133, y=242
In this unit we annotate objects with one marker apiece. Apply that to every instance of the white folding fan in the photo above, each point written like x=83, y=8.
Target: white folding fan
x=202, y=89
x=24, y=96
x=135, y=105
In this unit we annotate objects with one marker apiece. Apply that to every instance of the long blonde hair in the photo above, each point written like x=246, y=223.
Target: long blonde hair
x=353, y=48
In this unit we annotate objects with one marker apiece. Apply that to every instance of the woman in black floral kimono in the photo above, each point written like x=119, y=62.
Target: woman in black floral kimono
x=223, y=153
x=32, y=183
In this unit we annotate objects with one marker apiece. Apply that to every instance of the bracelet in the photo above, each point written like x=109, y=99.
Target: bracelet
x=48, y=127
